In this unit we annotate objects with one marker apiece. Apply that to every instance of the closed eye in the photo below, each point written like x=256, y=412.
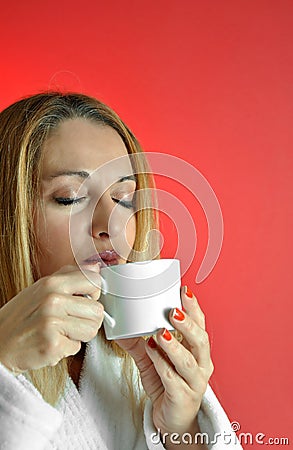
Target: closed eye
x=125, y=204
x=68, y=201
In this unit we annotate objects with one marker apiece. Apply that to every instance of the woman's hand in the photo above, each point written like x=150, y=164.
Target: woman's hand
x=48, y=320
x=175, y=375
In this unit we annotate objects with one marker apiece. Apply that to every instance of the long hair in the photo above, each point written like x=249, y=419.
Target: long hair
x=24, y=127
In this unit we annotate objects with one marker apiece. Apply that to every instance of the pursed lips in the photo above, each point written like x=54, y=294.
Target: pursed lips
x=108, y=257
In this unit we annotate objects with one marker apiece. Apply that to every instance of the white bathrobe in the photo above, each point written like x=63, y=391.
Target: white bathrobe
x=97, y=417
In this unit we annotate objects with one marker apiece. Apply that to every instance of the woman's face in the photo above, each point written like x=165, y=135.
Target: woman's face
x=81, y=221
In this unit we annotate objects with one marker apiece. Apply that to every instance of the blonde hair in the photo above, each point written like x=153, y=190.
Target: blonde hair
x=24, y=127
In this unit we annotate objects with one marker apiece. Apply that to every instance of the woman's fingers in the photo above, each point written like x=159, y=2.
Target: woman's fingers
x=163, y=367
x=77, y=318
x=70, y=281
x=48, y=320
x=83, y=330
x=150, y=378
x=61, y=305
x=192, y=364
x=174, y=383
x=191, y=306
x=183, y=381
x=179, y=361
x=195, y=336
x=56, y=337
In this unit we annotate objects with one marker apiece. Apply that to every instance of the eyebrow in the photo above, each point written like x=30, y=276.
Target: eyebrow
x=83, y=174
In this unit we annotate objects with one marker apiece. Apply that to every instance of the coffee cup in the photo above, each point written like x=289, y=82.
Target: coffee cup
x=138, y=297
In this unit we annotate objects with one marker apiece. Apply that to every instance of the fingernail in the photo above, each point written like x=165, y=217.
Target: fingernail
x=178, y=315
x=188, y=292
x=152, y=342
x=167, y=335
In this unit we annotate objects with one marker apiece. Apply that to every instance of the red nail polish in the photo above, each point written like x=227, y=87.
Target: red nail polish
x=188, y=292
x=152, y=342
x=178, y=315
x=167, y=335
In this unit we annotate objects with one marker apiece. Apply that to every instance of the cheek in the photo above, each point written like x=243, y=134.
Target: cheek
x=54, y=249
x=50, y=228
x=131, y=231
x=58, y=234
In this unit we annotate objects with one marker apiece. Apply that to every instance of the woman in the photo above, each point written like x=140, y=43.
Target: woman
x=56, y=391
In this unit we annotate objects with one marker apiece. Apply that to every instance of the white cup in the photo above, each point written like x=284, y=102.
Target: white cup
x=138, y=297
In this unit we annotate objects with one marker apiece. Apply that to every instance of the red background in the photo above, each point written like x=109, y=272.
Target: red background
x=210, y=82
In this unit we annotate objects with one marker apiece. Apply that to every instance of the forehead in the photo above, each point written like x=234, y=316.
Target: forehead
x=79, y=144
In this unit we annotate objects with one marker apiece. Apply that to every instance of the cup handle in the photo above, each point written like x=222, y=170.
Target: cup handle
x=108, y=319
x=104, y=286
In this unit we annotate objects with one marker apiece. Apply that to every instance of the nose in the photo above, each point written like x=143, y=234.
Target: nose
x=102, y=227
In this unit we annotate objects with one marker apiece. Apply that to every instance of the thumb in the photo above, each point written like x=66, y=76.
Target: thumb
x=150, y=379
x=136, y=348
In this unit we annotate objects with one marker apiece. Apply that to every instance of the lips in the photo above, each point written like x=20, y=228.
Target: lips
x=108, y=257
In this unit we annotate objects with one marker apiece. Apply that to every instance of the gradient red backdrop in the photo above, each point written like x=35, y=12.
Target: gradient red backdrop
x=212, y=83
